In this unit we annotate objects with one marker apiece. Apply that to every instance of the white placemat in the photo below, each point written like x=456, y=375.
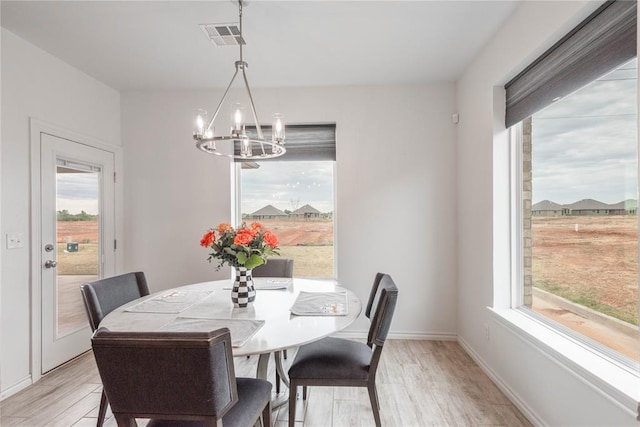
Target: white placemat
x=321, y=304
x=241, y=330
x=170, y=302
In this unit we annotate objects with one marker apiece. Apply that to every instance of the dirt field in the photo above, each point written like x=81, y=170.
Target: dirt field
x=309, y=242
x=79, y=231
x=591, y=260
x=311, y=232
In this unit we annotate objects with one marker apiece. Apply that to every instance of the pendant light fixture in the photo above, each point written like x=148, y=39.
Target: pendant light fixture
x=250, y=148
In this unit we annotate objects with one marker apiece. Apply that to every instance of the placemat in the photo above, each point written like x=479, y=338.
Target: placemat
x=241, y=329
x=170, y=302
x=321, y=304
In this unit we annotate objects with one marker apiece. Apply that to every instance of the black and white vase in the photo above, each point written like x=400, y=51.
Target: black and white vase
x=243, y=293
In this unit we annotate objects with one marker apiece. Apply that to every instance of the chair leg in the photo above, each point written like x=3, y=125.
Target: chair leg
x=124, y=421
x=375, y=405
x=266, y=415
x=304, y=392
x=293, y=389
x=285, y=353
x=102, y=412
x=277, y=383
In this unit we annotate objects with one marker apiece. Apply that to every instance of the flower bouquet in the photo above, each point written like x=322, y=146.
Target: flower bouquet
x=244, y=248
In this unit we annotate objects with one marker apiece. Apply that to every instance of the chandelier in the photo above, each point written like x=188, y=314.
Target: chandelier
x=249, y=147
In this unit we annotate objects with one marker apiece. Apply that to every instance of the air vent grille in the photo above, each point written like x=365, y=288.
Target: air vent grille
x=223, y=34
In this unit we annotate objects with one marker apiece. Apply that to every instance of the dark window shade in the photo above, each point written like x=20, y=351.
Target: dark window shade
x=603, y=41
x=303, y=143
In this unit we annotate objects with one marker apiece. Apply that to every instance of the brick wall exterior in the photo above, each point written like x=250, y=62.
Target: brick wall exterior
x=526, y=213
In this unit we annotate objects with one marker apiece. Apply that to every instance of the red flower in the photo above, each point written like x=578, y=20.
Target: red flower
x=208, y=238
x=244, y=236
x=224, y=227
x=270, y=239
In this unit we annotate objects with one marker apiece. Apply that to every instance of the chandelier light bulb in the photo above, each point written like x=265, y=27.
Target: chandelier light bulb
x=200, y=123
x=237, y=120
x=277, y=129
x=245, y=148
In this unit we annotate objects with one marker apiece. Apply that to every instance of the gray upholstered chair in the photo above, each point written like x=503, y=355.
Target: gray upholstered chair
x=101, y=297
x=178, y=379
x=339, y=362
x=275, y=267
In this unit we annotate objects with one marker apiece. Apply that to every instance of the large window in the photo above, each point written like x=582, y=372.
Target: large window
x=295, y=198
x=577, y=186
x=582, y=255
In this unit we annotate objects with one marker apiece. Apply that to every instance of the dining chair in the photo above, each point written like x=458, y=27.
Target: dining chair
x=101, y=297
x=339, y=362
x=178, y=379
x=275, y=267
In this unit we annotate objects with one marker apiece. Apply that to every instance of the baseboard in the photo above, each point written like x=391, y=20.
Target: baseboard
x=19, y=386
x=513, y=397
x=424, y=336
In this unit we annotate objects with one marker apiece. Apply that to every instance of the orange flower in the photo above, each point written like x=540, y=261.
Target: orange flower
x=208, y=238
x=270, y=239
x=224, y=227
x=244, y=236
x=256, y=226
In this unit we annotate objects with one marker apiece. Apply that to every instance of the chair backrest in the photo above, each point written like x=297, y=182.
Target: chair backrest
x=102, y=296
x=373, y=294
x=167, y=375
x=274, y=267
x=383, y=307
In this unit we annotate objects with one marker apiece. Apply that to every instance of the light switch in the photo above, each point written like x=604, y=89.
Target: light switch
x=15, y=240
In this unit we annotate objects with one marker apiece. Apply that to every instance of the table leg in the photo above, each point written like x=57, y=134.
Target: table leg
x=280, y=368
x=263, y=365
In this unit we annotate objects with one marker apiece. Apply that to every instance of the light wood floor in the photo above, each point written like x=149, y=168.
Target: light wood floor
x=420, y=383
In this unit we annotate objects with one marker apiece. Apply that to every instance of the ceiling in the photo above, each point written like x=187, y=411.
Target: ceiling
x=140, y=45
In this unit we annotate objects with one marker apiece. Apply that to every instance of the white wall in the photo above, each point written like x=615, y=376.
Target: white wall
x=553, y=395
x=36, y=84
x=395, y=190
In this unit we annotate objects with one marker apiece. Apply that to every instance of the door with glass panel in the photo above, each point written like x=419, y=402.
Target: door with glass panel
x=77, y=223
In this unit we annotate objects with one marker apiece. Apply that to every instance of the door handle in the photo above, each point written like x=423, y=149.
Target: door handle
x=50, y=263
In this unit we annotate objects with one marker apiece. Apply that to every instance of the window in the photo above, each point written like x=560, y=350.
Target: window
x=584, y=262
x=578, y=183
x=293, y=196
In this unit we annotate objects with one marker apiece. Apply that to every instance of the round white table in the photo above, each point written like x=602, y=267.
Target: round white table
x=281, y=328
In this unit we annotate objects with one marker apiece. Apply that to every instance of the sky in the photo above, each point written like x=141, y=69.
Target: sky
x=288, y=185
x=584, y=146
x=77, y=192
x=285, y=185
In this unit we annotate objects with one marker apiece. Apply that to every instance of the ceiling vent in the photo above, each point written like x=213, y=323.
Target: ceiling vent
x=223, y=34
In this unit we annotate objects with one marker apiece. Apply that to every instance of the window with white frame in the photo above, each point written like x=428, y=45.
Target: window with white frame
x=578, y=183
x=293, y=196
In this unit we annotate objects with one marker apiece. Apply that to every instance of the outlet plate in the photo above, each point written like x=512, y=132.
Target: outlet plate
x=15, y=240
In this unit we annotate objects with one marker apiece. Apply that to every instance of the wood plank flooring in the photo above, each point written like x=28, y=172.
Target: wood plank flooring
x=420, y=383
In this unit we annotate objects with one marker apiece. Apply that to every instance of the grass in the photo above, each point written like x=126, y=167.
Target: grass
x=83, y=262
x=587, y=298
x=310, y=261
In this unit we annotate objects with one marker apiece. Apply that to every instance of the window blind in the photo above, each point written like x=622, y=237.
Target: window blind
x=303, y=143
x=603, y=41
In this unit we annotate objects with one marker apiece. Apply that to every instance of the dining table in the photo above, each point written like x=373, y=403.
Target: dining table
x=286, y=313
